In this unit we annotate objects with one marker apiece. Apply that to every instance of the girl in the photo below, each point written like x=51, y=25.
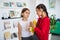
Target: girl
x=43, y=24
x=23, y=25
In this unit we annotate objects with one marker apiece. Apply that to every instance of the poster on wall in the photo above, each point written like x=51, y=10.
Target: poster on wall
x=20, y=4
x=6, y=4
x=10, y=14
x=7, y=25
x=52, y=4
x=13, y=4
x=7, y=36
x=15, y=24
x=10, y=36
x=14, y=14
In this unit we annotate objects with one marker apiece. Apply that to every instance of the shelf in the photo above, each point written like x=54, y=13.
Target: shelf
x=11, y=18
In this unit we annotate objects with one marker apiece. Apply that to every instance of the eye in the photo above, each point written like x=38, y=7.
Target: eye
x=27, y=13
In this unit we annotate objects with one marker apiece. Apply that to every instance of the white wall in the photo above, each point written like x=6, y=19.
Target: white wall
x=6, y=12
x=31, y=4
x=34, y=3
x=51, y=11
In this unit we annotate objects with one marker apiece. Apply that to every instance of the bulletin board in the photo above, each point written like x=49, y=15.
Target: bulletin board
x=10, y=11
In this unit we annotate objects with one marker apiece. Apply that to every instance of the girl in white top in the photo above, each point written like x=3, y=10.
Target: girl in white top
x=23, y=25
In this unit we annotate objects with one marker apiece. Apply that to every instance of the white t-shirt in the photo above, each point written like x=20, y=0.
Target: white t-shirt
x=25, y=25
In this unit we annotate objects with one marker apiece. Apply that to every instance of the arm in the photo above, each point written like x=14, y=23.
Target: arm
x=44, y=30
x=19, y=31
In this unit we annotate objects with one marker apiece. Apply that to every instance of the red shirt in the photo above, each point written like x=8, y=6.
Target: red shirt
x=42, y=28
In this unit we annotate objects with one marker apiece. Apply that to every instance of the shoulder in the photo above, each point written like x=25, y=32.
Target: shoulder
x=47, y=19
x=20, y=20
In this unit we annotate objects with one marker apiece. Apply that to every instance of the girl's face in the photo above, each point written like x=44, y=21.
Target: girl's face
x=26, y=14
x=39, y=12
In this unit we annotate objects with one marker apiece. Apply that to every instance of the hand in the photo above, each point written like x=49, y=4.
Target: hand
x=32, y=24
x=27, y=28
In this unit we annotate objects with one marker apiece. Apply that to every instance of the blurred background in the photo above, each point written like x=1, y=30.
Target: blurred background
x=10, y=11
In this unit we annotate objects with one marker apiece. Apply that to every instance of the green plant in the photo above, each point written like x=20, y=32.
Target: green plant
x=52, y=22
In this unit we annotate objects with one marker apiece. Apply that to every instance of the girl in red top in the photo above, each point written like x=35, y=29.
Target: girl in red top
x=43, y=23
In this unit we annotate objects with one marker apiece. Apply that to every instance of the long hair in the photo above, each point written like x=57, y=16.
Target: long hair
x=42, y=6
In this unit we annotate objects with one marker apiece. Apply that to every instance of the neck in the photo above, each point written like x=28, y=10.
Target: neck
x=44, y=15
x=24, y=19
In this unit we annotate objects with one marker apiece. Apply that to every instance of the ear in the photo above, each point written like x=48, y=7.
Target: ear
x=22, y=13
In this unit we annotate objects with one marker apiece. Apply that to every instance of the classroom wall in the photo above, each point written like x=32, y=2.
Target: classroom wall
x=51, y=11
x=31, y=4
x=5, y=11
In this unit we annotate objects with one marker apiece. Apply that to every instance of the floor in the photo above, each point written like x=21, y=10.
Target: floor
x=55, y=37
